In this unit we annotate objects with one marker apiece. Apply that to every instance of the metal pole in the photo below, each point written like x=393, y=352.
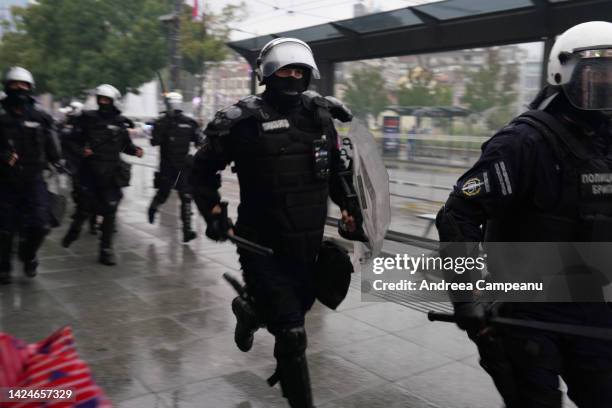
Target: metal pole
x=175, y=47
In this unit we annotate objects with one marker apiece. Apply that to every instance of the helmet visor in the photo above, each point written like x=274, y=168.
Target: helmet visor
x=288, y=53
x=590, y=87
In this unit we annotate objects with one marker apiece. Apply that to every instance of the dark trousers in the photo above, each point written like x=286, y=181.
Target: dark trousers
x=282, y=287
x=24, y=209
x=170, y=178
x=98, y=196
x=537, y=359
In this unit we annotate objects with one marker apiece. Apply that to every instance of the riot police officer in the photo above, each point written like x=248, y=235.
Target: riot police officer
x=174, y=132
x=72, y=153
x=529, y=185
x=284, y=148
x=101, y=136
x=27, y=145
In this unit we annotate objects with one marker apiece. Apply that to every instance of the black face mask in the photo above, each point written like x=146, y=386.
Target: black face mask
x=106, y=109
x=18, y=97
x=285, y=92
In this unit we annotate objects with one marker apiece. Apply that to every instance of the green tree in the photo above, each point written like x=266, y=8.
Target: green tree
x=366, y=93
x=422, y=89
x=204, y=40
x=491, y=89
x=71, y=46
x=432, y=94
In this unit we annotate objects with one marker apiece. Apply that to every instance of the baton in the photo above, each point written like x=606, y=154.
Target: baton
x=591, y=332
x=235, y=284
x=242, y=242
x=250, y=246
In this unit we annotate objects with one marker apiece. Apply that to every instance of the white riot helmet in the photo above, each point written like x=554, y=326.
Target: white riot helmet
x=175, y=100
x=284, y=51
x=108, y=91
x=581, y=63
x=19, y=74
x=76, y=108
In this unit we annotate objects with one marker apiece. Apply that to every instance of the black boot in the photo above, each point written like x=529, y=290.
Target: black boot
x=247, y=323
x=188, y=233
x=158, y=200
x=151, y=212
x=292, y=368
x=73, y=232
x=107, y=255
x=29, y=244
x=6, y=244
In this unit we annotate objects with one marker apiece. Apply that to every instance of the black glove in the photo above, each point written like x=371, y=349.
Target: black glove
x=218, y=225
x=353, y=210
x=357, y=235
x=472, y=316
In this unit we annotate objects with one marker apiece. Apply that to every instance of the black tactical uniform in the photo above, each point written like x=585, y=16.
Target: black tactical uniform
x=531, y=184
x=72, y=151
x=174, y=133
x=102, y=174
x=24, y=199
x=284, y=189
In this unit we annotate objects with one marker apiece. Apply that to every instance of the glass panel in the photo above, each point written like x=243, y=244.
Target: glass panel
x=382, y=21
x=315, y=33
x=465, y=8
x=430, y=114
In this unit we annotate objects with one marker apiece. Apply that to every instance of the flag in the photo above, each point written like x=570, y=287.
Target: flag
x=195, y=13
x=52, y=363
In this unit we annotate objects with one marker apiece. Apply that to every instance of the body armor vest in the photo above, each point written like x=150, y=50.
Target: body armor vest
x=176, y=134
x=283, y=202
x=28, y=137
x=570, y=202
x=580, y=206
x=106, y=136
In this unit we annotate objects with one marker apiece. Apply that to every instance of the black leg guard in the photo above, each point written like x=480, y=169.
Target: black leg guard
x=292, y=368
x=29, y=244
x=188, y=233
x=6, y=246
x=107, y=255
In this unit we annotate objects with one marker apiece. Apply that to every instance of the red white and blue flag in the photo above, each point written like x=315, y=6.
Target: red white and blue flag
x=51, y=364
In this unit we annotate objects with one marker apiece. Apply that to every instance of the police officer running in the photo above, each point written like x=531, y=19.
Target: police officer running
x=284, y=148
x=529, y=185
x=101, y=136
x=174, y=132
x=27, y=144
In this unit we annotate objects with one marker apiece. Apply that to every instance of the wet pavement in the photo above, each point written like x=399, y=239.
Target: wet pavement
x=157, y=329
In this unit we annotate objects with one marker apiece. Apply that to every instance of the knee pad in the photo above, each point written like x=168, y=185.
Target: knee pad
x=186, y=198
x=290, y=342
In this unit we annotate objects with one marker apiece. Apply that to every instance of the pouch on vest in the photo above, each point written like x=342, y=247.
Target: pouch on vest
x=320, y=152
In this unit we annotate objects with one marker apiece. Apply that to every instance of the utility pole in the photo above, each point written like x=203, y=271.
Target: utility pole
x=175, y=46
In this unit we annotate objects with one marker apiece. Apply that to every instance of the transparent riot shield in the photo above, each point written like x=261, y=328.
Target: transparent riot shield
x=371, y=181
